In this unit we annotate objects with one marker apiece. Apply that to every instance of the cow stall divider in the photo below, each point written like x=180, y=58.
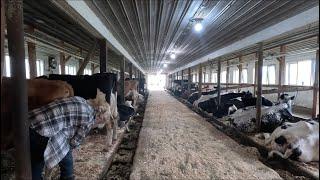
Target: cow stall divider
x=309, y=170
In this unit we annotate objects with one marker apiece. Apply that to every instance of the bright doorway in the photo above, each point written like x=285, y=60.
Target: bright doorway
x=156, y=82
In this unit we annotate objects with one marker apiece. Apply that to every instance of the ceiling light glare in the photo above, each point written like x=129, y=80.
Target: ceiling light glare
x=198, y=27
x=172, y=56
x=165, y=65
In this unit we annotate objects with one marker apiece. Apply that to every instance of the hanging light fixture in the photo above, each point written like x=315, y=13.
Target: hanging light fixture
x=172, y=56
x=198, y=24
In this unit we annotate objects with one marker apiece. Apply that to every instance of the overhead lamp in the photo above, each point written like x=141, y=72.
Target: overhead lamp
x=165, y=65
x=172, y=56
x=198, y=25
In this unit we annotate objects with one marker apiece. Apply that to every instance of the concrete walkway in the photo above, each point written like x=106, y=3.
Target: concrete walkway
x=176, y=143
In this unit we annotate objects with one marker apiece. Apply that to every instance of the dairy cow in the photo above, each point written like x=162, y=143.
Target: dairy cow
x=86, y=87
x=272, y=117
x=297, y=141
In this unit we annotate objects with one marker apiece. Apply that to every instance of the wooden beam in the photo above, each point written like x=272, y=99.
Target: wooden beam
x=204, y=74
x=103, y=55
x=32, y=55
x=67, y=58
x=316, y=86
x=200, y=79
x=287, y=89
x=210, y=74
x=219, y=82
x=92, y=68
x=240, y=71
x=255, y=75
x=227, y=74
x=15, y=33
x=121, y=83
x=87, y=59
x=189, y=80
x=259, y=87
x=282, y=70
x=3, y=27
x=62, y=63
x=130, y=70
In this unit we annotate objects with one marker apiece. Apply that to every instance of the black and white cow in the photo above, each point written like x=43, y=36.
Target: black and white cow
x=272, y=117
x=230, y=102
x=196, y=98
x=86, y=87
x=297, y=141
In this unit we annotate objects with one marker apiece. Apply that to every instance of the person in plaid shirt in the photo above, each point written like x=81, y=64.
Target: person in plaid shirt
x=56, y=129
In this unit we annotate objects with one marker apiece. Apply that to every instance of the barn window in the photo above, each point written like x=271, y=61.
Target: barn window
x=8, y=67
x=27, y=69
x=40, y=67
x=224, y=77
x=70, y=69
x=269, y=74
x=214, y=77
x=87, y=71
x=235, y=76
x=206, y=77
x=244, y=76
x=195, y=79
x=299, y=73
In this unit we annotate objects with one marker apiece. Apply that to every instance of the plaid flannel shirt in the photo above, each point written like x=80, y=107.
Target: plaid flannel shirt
x=65, y=122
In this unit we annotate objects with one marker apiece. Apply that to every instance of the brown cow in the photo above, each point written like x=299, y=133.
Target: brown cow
x=40, y=92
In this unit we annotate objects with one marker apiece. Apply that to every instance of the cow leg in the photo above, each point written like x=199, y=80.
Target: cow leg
x=109, y=134
x=114, y=129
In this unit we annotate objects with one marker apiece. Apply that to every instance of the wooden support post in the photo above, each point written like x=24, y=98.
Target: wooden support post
x=219, y=82
x=259, y=87
x=204, y=74
x=240, y=72
x=121, y=83
x=182, y=83
x=130, y=70
x=282, y=70
x=103, y=55
x=32, y=55
x=92, y=68
x=255, y=75
x=189, y=80
x=316, y=86
x=227, y=74
x=200, y=79
x=171, y=80
x=62, y=63
x=210, y=74
x=3, y=26
x=87, y=59
x=15, y=33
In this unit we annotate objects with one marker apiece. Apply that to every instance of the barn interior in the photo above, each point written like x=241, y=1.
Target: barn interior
x=172, y=66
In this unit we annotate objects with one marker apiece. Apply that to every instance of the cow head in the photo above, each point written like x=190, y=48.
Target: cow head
x=101, y=107
x=285, y=98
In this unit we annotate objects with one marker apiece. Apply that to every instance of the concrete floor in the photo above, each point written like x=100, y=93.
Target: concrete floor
x=176, y=143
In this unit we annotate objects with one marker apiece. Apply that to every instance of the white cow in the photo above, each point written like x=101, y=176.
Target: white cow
x=299, y=141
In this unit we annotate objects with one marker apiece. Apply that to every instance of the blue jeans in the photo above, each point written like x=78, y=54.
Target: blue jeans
x=37, y=147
